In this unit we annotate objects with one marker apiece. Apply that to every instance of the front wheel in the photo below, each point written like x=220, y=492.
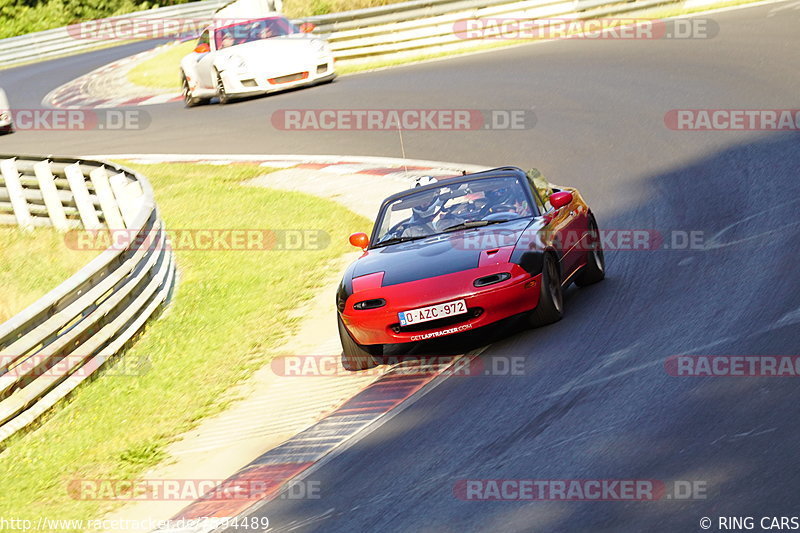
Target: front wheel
x=595, y=269
x=224, y=98
x=188, y=99
x=356, y=356
x=551, y=299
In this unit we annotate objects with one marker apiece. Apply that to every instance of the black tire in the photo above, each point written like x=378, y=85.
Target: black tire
x=356, y=356
x=551, y=298
x=595, y=269
x=188, y=99
x=224, y=98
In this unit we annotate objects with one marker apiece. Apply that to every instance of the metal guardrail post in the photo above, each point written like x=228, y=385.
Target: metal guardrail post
x=104, y=304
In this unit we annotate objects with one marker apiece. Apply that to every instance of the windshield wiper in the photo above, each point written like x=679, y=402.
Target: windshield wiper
x=395, y=240
x=474, y=224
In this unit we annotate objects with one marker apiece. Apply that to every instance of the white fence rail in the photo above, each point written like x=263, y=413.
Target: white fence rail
x=365, y=34
x=60, y=340
x=63, y=41
x=439, y=27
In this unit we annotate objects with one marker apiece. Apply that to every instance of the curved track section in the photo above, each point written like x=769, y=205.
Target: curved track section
x=594, y=400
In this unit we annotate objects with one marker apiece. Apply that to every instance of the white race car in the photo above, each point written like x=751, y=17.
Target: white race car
x=254, y=56
x=6, y=121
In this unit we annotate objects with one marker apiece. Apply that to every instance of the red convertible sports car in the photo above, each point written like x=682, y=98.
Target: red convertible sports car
x=460, y=253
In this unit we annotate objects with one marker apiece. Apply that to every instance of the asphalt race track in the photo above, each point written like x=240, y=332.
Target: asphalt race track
x=595, y=401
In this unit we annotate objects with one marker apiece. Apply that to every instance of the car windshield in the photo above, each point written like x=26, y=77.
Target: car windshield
x=253, y=30
x=453, y=207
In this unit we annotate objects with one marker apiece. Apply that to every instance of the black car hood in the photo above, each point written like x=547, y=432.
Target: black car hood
x=438, y=255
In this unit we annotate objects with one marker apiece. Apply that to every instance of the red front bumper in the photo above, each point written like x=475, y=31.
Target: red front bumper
x=485, y=305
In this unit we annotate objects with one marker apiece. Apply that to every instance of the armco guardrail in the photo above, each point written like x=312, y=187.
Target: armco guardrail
x=60, y=41
x=60, y=340
x=396, y=29
x=430, y=27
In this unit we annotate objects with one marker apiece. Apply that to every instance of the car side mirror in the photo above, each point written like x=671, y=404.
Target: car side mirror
x=202, y=48
x=359, y=240
x=560, y=199
x=307, y=27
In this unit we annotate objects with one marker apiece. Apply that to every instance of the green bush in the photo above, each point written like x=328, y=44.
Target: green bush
x=18, y=17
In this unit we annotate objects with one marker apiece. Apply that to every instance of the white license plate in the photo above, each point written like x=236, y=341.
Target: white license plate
x=433, y=312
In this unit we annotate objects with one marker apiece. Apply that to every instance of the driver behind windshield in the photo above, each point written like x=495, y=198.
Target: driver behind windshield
x=505, y=199
x=448, y=209
x=227, y=40
x=420, y=223
x=266, y=31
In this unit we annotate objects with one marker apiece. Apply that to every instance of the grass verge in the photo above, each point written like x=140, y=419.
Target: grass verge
x=33, y=263
x=18, y=17
x=655, y=13
x=161, y=71
x=230, y=310
x=306, y=8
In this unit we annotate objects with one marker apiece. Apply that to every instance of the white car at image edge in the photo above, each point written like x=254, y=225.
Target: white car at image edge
x=254, y=56
x=6, y=120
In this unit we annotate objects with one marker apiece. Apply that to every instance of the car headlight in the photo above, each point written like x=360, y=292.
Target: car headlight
x=369, y=304
x=234, y=61
x=319, y=45
x=492, y=279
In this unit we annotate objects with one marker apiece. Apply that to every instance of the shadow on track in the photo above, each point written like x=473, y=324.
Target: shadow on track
x=595, y=401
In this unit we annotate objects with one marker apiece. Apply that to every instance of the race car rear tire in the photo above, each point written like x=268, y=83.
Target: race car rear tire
x=551, y=299
x=188, y=99
x=595, y=269
x=356, y=356
x=221, y=94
